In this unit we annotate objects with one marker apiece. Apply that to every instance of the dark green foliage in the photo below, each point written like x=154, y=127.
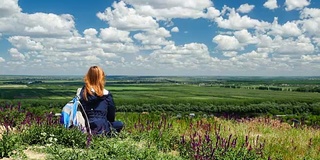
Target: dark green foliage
x=54, y=134
x=108, y=149
x=10, y=144
x=245, y=110
x=308, y=89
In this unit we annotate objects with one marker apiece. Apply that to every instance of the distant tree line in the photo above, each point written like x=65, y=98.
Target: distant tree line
x=273, y=108
x=308, y=89
x=23, y=82
x=300, y=89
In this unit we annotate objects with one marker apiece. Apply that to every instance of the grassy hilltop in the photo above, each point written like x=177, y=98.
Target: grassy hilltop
x=234, y=118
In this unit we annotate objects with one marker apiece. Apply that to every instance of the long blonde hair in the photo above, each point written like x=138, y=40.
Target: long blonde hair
x=94, y=79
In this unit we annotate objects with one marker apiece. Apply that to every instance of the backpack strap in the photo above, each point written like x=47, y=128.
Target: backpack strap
x=86, y=119
x=78, y=93
x=81, y=109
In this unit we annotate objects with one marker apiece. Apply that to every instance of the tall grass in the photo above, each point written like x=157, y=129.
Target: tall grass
x=279, y=140
x=160, y=136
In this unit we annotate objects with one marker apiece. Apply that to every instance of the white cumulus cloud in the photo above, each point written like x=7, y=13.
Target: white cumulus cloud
x=287, y=29
x=90, y=32
x=25, y=43
x=175, y=29
x=16, y=55
x=114, y=35
x=212, y=13
x=125, y=18
x=245, y=37
x=302, y=45
x=168, y=9
x=9, y=7
x=310, y=20
x=230, y=53
x=38, y=24
x=90, y=35
x=237, y=22
x=192, y=55
x=225, y=42
x=296, y=4
x=2, y=59
x=136, y=38
x=271, y=4
x=154, y=39
x=311, y=58
x=245, y=8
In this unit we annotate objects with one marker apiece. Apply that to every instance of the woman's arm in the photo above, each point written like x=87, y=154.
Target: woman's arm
x=111, y=114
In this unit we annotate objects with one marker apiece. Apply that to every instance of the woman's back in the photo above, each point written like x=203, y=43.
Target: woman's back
x=98, y=102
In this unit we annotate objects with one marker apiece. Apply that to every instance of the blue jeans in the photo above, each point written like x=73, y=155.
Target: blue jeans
x=118, y=125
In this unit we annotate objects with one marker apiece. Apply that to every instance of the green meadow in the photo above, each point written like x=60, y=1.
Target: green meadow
x=162, y=92
x=212, y=95
x=234, y=118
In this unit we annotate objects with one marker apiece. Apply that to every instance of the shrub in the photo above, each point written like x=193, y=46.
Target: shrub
x=54, y=134
x=10, y=144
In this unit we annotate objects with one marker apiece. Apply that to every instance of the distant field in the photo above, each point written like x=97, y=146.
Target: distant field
x=165, y=90
x=185, y=92
x=154, y=92
x=130, y=88
x=13, y=86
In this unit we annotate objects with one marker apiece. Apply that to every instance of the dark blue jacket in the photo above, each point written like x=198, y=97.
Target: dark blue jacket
x=100, y=111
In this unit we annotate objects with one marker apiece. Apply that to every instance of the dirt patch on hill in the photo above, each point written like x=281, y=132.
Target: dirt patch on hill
x=32, y=155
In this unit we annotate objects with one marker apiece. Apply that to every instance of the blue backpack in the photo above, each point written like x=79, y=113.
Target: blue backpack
x=73, y=115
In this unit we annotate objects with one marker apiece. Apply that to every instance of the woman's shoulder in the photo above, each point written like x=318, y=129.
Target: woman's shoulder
x=106, y=92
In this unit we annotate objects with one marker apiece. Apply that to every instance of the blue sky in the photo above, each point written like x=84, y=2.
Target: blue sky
x=161, y=37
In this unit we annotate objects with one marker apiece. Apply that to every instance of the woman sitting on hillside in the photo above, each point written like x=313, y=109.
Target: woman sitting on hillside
x=98, y=103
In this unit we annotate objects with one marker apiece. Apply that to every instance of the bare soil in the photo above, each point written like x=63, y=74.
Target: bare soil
x=31, y=155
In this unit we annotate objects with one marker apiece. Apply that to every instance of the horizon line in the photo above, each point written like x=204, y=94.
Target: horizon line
x=128, y=75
